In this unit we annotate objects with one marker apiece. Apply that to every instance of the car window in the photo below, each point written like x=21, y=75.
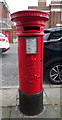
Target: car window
x=46, y=36
x=55, y=35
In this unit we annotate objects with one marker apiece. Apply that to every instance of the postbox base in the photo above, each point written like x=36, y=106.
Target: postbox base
x=31, y=104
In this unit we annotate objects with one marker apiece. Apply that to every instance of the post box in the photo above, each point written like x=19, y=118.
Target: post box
x=30, y=32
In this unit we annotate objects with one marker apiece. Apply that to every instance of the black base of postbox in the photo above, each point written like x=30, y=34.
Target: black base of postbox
x=30, y=104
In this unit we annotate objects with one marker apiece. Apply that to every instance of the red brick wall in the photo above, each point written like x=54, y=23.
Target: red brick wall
x=56, y=2
x=14, y=32
x=41, y=2
x=55, y=16
x=4, y=13
x=0, y=10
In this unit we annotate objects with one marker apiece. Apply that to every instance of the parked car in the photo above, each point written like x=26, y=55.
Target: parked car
x=4, y=43
x=53, y=54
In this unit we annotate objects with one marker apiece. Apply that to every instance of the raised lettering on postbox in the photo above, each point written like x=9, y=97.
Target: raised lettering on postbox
x=31, y=74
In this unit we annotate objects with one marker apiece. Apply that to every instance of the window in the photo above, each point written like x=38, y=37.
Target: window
x=55, y=35
x=46, y=36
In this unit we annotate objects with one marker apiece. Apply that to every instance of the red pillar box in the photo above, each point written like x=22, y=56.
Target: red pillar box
x=30, y=32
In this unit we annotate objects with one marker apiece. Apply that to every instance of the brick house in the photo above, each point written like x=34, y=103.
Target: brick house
x=54, y=9
x=6, y=26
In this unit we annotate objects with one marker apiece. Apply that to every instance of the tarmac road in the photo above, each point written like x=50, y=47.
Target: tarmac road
x=10, y=67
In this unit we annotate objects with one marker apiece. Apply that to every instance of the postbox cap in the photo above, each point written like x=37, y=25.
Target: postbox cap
x=30, y=13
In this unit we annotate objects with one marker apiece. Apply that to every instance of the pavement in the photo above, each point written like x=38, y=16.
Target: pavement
x=9, y=98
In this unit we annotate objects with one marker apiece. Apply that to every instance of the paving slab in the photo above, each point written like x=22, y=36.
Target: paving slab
x=61, y=112
x=49, y=112
x=0, y=98
x=6, y=112
x=51, y=86
x=52, y=95
x=14, y=112
x=51, y=101
x=9, y=97
x=0, y=113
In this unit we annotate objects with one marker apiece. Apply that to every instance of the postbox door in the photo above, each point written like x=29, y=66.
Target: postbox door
x=30, y=50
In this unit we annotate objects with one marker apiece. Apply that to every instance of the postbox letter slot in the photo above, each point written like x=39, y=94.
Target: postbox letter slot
x=32, y=28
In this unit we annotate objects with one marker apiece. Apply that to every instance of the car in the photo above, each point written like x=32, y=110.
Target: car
x=53, y=54
x=4, y=43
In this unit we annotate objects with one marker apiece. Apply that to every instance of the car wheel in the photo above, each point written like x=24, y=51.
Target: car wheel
x=54, y=73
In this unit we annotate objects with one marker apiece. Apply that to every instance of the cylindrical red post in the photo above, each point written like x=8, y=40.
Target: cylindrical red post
x=30, y=32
